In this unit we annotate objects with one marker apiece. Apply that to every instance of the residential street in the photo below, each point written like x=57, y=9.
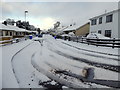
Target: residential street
x=57, y=45
x=33, y=62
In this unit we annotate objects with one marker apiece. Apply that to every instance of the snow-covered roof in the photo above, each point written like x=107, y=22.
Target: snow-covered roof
x=62, y=28
x=71, y=28
x=11, y=28
x=23, y=30
x=4, y=27
x=71, y=33
x=65, y=35
x=17, y=29
x=31, y=31
x=34, y=31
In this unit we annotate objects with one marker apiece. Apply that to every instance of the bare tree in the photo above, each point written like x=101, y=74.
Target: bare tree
x=38, y=30
x=57, y=24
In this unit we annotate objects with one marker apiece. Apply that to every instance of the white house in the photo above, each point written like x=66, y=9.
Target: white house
x=106, y=24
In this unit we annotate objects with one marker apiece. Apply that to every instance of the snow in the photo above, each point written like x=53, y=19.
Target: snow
x=72, y=34
x=8, y=79
x=64, y=63
x=106, y=50
x=35, y=60
x=65, y=35
x=61, y=28
x=73, y=52
x=24, y=73
x=5, y=41
x=37, y=38
x=24, y=70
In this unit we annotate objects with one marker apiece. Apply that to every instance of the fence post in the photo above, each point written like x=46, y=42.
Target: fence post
x=82, y=39
x=113, y=42
x=77, y=39
x=68, y=38
x=88, y=41
x=97, y=42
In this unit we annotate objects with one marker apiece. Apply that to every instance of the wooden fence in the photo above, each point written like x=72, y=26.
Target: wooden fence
x=5, y=40
x=114, y=43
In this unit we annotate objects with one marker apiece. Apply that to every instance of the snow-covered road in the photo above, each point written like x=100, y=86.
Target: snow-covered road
x=29, y=63
x=8, y=78
x=26, y=74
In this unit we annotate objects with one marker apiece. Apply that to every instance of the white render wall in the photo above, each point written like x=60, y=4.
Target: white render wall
x=119, y=20
x=113, y=26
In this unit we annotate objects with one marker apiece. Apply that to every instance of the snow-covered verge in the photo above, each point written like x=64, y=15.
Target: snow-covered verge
x=99, y=49
x=8, y=78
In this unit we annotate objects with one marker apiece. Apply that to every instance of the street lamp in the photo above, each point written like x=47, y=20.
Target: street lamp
x=25, y=21
x=25, y=15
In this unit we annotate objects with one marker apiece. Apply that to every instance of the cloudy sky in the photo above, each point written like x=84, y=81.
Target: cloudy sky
x=45, y=14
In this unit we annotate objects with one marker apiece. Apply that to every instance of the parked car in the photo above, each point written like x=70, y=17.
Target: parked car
x=15, y=40
x=96, y=36
x=40, y=35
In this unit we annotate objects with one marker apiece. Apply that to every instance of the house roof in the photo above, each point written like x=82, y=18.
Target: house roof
x=62, y=28
x=30, y=31
x=71, y=28
x=4, y=27
x=17, y=29
x=104, y=14
x=13, y=28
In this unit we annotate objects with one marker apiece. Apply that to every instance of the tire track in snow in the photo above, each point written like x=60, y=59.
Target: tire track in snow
x=96, y=64
x=88, y=54
x=13, y=60
x=53, y=76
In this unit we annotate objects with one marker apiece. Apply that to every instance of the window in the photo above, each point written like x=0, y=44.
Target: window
x=109, y=18
x=1, y=33
x=6, y=33
x=10, y=33
x=108, y=33
x=100, y=20
x=99, y=31
x=94, y=22
x=16, y=33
